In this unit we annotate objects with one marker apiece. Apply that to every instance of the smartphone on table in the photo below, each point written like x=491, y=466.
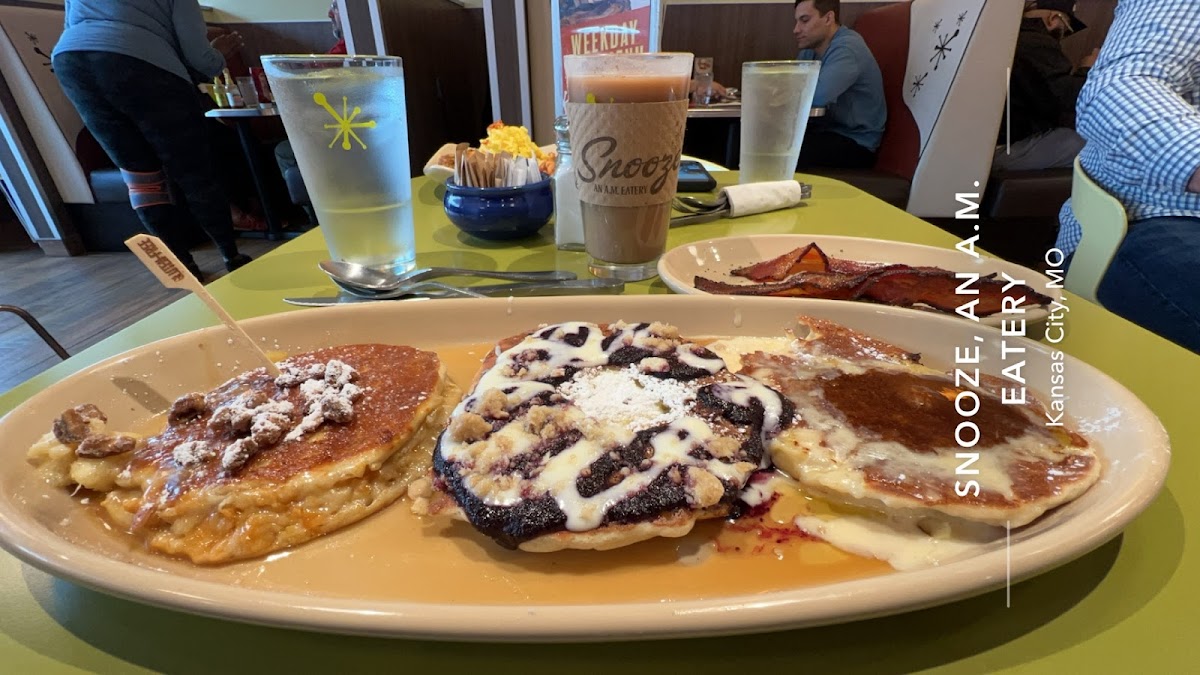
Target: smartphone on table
x=693, y=177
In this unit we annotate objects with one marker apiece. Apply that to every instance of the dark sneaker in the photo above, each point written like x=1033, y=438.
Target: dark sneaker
x=237, y=261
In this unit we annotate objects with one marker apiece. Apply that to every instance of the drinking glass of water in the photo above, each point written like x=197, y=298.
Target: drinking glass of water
x=777, y=98
x=702, y=75
x=345, y=117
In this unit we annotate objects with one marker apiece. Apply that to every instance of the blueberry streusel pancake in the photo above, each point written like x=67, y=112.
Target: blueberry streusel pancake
x=262, y=463
x=589, y=436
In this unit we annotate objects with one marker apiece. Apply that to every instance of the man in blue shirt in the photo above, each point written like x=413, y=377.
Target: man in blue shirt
x=1140, y=115
x=849, y=88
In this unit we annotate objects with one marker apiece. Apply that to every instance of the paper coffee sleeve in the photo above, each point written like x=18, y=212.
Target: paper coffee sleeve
x=626, y=154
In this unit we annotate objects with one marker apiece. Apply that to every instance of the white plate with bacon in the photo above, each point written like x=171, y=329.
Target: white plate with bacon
x=863, y=270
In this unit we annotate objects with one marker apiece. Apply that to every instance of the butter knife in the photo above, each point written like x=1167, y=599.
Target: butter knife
x=570, y=287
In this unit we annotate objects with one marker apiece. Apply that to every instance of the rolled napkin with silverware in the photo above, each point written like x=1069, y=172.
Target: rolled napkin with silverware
x=752, y=198
x=741, y=200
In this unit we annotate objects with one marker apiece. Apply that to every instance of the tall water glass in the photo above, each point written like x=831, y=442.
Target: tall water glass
x=777, y=98
x=702, y=81
x=345, y=117
x=627, y=115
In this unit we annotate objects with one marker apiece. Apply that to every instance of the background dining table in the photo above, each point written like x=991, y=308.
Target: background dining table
x=717, y=120
x=1128, y=606
x=240, y=119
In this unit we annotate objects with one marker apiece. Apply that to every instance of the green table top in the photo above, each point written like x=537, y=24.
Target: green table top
x=1129, y=606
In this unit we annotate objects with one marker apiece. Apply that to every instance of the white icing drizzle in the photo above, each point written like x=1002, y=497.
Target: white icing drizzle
x=744, y=390
x=690, y=358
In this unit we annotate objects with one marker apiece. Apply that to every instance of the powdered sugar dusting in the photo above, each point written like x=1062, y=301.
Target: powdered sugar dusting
x=629, y=397
x=191, y=452
x=259, y=422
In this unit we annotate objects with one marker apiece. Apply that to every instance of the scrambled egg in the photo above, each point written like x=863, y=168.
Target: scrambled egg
x=516, y=141
x=513, y=140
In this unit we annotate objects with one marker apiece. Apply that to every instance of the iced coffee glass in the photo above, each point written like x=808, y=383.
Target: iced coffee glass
x=777, y=98
x=345, y=117
x=627, y=114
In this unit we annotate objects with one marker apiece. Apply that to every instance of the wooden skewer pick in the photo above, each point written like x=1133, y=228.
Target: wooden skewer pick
x=164, y=265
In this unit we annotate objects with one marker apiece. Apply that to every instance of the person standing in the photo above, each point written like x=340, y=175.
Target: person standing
x=129, y=68
x=335, y=20
x=849, y=88
x=1140, y=116
x=1043, y=89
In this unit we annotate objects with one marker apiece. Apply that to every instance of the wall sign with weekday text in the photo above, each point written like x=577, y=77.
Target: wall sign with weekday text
x=601, y=27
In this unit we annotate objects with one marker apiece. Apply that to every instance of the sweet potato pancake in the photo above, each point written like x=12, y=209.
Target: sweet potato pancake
x=586, y=436
x=264, y=463
x=876, y=429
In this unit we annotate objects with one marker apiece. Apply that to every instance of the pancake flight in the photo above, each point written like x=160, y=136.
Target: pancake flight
x=579, y=436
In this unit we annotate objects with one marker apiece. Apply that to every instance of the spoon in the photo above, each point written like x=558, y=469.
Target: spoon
x=692, y=205
x=375, y=280
x=418, y=288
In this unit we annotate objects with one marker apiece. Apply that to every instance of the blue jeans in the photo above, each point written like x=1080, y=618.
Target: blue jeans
x=150, y=120
x=1155, y=279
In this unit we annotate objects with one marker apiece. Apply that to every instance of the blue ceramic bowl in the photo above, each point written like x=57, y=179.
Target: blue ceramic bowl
x=499, y=213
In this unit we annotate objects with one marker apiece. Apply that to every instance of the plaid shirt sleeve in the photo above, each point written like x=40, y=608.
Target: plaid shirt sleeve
x=1138, y=112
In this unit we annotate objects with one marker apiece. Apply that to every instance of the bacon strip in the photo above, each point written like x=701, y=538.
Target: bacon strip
x=897, y=285
x=804, y=259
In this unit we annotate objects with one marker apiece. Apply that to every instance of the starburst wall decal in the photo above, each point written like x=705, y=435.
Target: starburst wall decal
x=944, y=51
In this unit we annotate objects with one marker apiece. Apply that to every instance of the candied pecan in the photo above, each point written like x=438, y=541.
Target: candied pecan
x=238, y=453
x=105, y=445
x=187, y=407
x=252, y=399
x=289, y=376
x=192, y=452
x=268, y=428
x=221, y=420
x=336, y=408
x=339, y=373
x=75, y=424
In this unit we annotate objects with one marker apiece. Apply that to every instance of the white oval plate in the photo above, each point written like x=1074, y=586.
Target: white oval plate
x=714, y=258
x=144, y=380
